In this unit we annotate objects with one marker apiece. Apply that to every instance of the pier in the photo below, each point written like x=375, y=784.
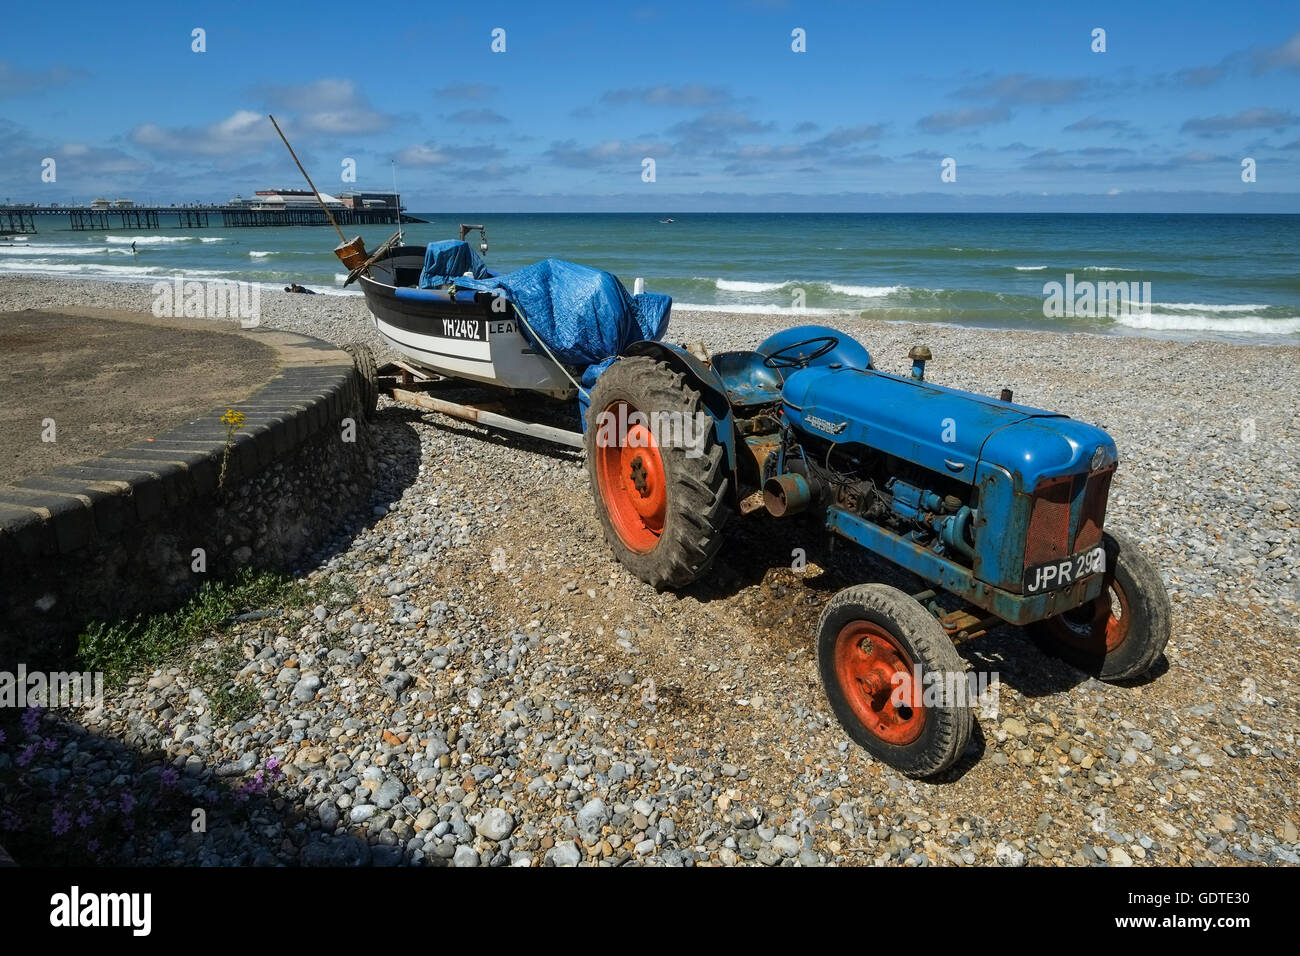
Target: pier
x=21, y=219
x=101, y=219
x=15, y=221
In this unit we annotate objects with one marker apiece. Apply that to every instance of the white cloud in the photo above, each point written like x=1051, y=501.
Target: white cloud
x=332, y=106
x=243, y=131
x=422, y=156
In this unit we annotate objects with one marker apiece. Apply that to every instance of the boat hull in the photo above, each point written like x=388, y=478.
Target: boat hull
x=469, y=335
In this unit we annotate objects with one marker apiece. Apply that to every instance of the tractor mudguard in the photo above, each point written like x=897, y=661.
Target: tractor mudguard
x=707, y=381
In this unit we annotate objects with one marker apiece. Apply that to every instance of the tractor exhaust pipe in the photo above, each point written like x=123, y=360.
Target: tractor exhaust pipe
x=787, y=494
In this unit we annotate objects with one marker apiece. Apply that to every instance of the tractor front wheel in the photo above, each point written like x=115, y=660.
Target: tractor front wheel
x=1119, y=635
x=658, y=471
x=894, y=679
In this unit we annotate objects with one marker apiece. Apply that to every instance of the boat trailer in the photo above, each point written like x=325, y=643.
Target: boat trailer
x=410, y=386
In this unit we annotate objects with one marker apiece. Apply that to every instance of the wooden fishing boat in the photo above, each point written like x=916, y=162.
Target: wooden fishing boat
x=455, y=333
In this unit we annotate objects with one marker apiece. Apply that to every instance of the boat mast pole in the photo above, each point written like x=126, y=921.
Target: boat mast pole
x=397, y=198
x=328, y=214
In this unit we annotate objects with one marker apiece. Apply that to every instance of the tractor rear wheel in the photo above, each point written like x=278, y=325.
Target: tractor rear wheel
x=363, y=363
x=894, y=679
x=658, y=472
x=1121, y=634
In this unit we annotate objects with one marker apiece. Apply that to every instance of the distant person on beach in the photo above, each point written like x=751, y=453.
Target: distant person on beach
x=295, y=287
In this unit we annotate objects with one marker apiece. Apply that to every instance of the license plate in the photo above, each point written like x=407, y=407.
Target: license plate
x=473, y=330
x=1065, y=571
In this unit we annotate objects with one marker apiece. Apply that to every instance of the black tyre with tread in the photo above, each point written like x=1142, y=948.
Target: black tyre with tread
x=697, y=487
x=946, y=729
x=1079, y=636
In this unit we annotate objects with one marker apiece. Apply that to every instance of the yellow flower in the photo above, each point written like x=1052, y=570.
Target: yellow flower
x=233, y=418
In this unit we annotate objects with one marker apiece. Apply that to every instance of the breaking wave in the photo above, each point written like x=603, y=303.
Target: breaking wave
x=1168, y=322
x=146, y=240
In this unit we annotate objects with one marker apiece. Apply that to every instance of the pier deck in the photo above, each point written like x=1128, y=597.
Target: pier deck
x=21, y=219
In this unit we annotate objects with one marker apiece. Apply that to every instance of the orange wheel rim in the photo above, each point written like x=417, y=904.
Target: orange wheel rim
x=630, y=472
x=876, y=677
x=1100, y=626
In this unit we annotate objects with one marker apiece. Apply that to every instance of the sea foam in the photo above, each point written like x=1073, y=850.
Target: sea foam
x=145, y=240
x=1203, y=307
x=863, y=291
x=737, y=285
x=1166, y=322
x=749, y=309
x=857, y=291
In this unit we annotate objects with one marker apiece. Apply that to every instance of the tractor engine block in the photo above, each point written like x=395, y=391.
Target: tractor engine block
x=943, y=521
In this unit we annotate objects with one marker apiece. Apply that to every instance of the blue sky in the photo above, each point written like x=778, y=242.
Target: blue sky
x=733, y=118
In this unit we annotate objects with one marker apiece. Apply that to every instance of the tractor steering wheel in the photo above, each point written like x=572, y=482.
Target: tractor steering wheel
x=779, y=358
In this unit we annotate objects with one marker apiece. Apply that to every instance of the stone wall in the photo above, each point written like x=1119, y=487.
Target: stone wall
x=125, y=532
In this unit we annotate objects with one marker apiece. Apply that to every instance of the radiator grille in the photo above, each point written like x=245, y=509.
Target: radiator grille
x=1094, y=510
x=1048, y=535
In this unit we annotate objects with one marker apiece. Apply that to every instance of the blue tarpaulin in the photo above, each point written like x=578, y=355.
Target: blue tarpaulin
x=582, y=314
x=451, y=257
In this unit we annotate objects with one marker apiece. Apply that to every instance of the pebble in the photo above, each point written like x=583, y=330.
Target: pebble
x=1007, y=855
x=496, y=825
x=435, y=707
x=787, y=846
x=564, y=854
x=465, y=856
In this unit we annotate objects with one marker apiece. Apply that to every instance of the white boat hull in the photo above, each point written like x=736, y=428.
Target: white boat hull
x=461, y=337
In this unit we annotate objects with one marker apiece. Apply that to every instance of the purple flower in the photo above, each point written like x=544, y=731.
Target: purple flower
x=272, y=763
x=128, y=802
x=252, y=787
x=31, y=719
x=49, y=744
x=26, y=756
x=170, y=777
x=2, y=736
x=92, y=846
x=84, y=820
x=62, y=821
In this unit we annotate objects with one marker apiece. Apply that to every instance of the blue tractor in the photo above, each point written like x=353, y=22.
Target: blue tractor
x=996, y=505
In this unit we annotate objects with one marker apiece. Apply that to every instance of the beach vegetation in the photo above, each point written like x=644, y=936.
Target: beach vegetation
x=118, y=648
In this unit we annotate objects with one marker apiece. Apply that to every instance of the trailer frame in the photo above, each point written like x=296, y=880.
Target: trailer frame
x=408, y=385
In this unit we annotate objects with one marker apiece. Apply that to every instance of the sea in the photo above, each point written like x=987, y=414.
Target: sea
x=1225, y=277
